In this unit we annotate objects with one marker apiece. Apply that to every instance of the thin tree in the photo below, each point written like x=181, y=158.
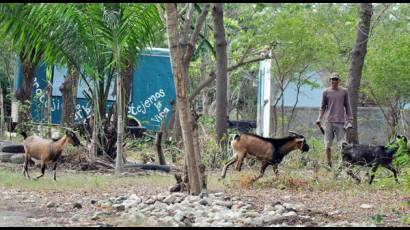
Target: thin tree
x=68, y=91
x=356, y=65
x=181, y=52
x=221, y=74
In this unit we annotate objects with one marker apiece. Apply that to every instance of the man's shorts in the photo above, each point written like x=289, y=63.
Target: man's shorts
x=332, y=129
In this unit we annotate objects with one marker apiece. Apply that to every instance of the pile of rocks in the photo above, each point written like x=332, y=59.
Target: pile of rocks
x=179, y=209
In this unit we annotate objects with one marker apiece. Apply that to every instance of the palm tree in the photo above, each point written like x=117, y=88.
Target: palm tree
x=84, y=36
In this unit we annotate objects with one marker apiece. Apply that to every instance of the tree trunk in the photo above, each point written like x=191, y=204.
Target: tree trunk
x=69, y=96
x=202, y=69
x=356, y=65
x=49, y=91
x=221, y=74
x=180, y=65
x=1, y=111
x=171, y=120
x=126, y=75
x=176, y=129
x=120, y=125
x=127, y=79
x=95, y=121
x=406, y=128
x=24, y=94
x=112, y=126
x=158, y=142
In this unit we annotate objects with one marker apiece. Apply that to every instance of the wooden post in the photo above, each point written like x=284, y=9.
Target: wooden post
x=158, y=139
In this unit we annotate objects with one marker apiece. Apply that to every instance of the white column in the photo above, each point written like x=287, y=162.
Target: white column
x=267, y=98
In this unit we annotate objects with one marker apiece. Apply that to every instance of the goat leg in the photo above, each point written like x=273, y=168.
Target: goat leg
x=350, y=173
x=390, y=167
x=54, y=169
x=265, y=164
x=25, y=166
x=374, y=169
x=230, y=162
x=275, y=169
x=43, y=168
x=339, y=170
x=239, y=161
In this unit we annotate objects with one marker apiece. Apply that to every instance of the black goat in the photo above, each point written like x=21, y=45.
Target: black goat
x=242, y=126
x=369, y=156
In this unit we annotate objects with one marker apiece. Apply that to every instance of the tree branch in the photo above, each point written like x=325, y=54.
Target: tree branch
x=187, y=23
x=161, y=13
x=194, y=37
x=212, y=75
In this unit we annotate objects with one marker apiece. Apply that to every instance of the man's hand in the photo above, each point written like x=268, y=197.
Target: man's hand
x=320, y=126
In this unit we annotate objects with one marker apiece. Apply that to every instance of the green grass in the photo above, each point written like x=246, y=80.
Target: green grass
x=77, y=181
x=292, y=175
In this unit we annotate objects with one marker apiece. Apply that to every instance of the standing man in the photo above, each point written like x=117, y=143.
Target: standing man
x=335, y=103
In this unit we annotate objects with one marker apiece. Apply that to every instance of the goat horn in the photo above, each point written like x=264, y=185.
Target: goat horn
x=291, y=132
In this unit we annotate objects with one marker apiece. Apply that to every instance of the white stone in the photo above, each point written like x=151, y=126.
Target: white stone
x=75, y=218
x=160, y=205
x=218, y=194
x=192, y=198
x=279, y=209
x=336, y=212
x=150, y=201
x=296, y=207
x=227, y=204
x=51, y=204
x=179, y=215
x=366, y=206
x=138, y=216
x=131, y=203
x=268, y=208
x=289, y=214
x=224, y=224
x=135, y=197
x=60, y=210
x=252, y=214
x=105, y=204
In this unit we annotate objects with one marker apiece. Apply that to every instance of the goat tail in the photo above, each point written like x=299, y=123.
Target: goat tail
x=24, y=134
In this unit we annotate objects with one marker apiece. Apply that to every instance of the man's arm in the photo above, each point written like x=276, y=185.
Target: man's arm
x=323, y=106
x=348, y=108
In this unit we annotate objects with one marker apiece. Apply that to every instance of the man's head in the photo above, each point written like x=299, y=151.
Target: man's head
x=335, y=79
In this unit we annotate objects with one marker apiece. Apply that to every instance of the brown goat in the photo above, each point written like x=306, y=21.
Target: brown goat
x=269, y=151
x=46, y=150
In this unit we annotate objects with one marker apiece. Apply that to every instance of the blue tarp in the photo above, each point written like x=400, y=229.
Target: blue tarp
x=153, y=90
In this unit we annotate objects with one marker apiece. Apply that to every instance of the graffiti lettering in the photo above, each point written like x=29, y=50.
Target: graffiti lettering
x=144, y=105
x=158, y=117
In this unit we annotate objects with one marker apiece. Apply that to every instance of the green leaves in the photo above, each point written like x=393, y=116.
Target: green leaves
x=387, y=63
x=79, y=33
